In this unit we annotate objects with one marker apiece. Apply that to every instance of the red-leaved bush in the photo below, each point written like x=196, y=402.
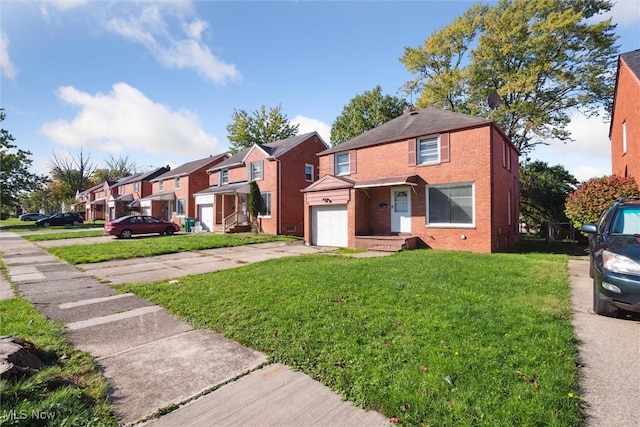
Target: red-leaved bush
x=591, y=198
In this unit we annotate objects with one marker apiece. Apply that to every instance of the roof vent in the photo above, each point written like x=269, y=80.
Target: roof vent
x=410, y=109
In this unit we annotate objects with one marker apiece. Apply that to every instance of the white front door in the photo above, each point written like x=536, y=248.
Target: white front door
x=400, y=210
x=243, y=212
x=205, y=215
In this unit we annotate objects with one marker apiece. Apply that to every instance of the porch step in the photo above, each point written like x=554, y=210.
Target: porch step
x=388, y=247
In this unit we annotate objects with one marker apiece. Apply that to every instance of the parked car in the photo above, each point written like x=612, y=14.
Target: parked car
x=61, y=219
x=614, y=247
x=129, y=225
x=32, y=216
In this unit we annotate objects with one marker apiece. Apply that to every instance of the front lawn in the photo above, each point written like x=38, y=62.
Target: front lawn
x=427, y=337
x=146, y=246
x=39, y=237
x=17, y=226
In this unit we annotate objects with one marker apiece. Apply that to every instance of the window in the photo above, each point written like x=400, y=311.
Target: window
x=136, y=187
x=181, y=207
x=450, y=204
x=428, y=150
x=160, y=185
x=342, y=163
x=224, y=176
x=121, y=190
x=255, y=171
x=308, y=173
x=266, y=205
x=177, y=186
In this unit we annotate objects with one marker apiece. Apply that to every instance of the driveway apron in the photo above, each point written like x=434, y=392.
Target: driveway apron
x=154, y=360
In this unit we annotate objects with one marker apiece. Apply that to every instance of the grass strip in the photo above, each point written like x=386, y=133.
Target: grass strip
x=69, y=391
x=62, y=235
x=158, y=245
x=428, y=337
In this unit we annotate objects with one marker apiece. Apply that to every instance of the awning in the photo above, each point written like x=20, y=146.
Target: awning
x=98, y=202
x=134, y=204
x=236, y=188
x=124, y=198
x=387, y=182
x=161, y=196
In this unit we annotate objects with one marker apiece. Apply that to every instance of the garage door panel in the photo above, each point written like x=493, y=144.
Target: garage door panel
x=330, y=226
x=205, y=215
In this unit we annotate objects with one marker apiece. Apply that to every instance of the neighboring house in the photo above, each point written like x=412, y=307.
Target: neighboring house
x=95, y=200
x=172, y=192
x=624, y=132
x=429, y=178
x=281, y=169
x=125, y=193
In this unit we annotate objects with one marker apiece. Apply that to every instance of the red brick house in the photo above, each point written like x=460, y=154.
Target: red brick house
x=172, y=192
x=125, y=193
x=281, y=169
x=95, y=200
x=624, y=132
x=429, y=178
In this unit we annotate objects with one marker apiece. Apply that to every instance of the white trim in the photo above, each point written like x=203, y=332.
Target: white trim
x=453, y=224
x=430, y=138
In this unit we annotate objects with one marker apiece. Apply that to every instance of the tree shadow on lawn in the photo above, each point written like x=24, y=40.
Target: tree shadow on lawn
x=534, y=244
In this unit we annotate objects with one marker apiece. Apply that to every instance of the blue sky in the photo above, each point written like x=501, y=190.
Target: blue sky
x=158, y=81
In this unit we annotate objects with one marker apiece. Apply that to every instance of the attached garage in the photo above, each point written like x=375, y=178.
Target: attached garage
x=205, y=216
x=330, y=226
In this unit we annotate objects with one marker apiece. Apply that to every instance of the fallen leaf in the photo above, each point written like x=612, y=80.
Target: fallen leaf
x=423, y=368
x=395, y=420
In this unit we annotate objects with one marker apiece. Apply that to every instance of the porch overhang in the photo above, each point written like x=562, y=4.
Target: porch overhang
x=236, y=188
x=160, y=196
x=98, y=202
x=388, y=182
x=124, y=198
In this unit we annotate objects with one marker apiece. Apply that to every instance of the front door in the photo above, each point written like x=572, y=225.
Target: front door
x=400, y=210
x=243, y=215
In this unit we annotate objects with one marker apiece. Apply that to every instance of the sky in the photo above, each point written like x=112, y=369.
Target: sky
x=157, y=82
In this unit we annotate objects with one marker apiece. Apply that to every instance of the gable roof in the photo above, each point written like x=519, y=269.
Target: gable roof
x=144, y=176
x=410, y=125
x=632, y=59
x=189, y=167
x=272, y=149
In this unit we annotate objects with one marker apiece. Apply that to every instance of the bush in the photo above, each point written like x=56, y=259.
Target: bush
x=591, y=198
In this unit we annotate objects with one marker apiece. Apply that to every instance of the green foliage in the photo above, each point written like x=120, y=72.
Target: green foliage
x=365, y=112
x=259, y=128
x=543, y=191
x=544, y=58
x=386, y=333
x=591, y=198
x=255, y=205
x=15, y=178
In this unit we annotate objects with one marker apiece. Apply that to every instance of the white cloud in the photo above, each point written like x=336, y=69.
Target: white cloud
x=7, y=68
x=125, y=119
x=151, y=30
x=626, y=12
x=307, y=124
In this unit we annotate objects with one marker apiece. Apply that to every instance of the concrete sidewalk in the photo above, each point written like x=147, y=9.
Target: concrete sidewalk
x=154, y=360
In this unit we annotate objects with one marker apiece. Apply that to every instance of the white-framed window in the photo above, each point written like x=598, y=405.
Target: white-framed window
x=308, y=172
x=255, y=171
x=136, y=187
x=428, y=150
x=624, y=137
x=177, y=183
x=224, y=176
x=160, y=185
x=181, y=208
x=450, y=204
x=266, y=205
x=342, y=163
x=121, y=190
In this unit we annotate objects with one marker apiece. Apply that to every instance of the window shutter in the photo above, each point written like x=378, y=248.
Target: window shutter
x=445, y=150
x=248, y=171
x=331, y=164
x=261, y=170
x=352, y=161
x=411, y=148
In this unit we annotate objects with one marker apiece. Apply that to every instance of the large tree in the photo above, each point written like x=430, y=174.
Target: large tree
x=365, y=112
x=116, y=167
x=15, y=178
x=260, y=127
x=545, y=59
x=543, y=191
x=72, y=172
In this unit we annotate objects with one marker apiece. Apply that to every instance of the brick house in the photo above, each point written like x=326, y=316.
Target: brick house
x=95, y=200
x=624, y=131
x=429, y=178
x=172, y=192
x=281, y=169
x=125, y=193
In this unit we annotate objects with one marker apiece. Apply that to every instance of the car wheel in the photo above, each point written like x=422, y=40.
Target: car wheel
x=46, y=223
x=590, y=266
x=126, y=234
x=169, y=231
x=76, y=223
x=600, y=306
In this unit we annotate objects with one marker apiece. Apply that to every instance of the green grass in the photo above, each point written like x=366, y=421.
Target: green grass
x=17, y=226
x=157, y=245
x=69, y=391
x=62, y=235
x=433, y=338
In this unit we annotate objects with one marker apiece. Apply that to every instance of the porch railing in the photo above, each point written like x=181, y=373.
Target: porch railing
x=230, y=221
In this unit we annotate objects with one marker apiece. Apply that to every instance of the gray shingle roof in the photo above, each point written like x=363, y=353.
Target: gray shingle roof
x=410, y=125
x=189, y=167
x=632, y=59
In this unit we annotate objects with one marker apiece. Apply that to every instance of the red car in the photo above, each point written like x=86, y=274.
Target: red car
x=127, y=226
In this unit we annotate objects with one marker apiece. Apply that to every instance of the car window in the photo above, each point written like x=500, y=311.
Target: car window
x=151, y=220
x=627, y=221
x=602, y=224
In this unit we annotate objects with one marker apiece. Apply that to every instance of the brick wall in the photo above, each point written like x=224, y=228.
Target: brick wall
x=626, y=110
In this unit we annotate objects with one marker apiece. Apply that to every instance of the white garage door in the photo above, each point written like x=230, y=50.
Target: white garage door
x=330, y=226
x=205, y=216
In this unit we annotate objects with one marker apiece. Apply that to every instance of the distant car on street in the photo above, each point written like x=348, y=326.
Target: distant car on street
x=126, y=226
x=69, y=218
x=32, y=216
x=614, y=255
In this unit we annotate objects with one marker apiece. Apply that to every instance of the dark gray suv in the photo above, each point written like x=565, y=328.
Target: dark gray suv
x=614, y=248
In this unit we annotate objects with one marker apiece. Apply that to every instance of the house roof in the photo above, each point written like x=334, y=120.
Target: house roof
x=144, y=176
x=189, y=167
x=632, y=59
x=161, y=196
x=236, y=187
x=410, y=125
x=272, y=149
x=387, y=182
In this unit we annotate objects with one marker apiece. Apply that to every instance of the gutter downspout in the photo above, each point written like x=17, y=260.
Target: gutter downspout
x=279, y=196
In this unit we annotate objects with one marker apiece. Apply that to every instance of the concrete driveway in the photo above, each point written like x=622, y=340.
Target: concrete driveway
x=609, y=356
